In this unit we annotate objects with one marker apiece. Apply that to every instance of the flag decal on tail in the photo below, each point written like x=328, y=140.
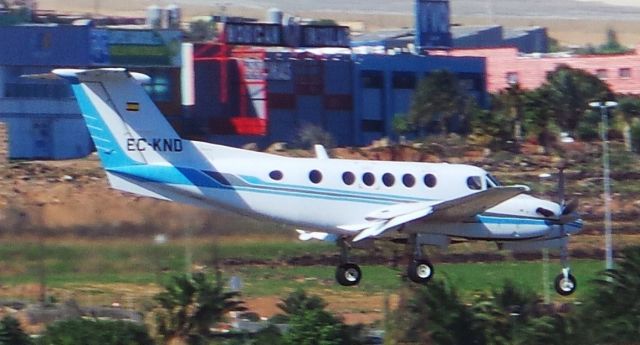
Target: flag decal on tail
x=133, y=106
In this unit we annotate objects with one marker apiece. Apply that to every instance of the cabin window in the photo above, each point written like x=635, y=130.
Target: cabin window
x=408, y=180
x=388, y=179
x=276, y=175
x=474, y=182
x=315, y=176
x=369, y=179
x=430, y=180
x=348, y=178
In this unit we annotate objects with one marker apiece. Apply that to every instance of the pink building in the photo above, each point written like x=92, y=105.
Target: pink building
x=506, y=66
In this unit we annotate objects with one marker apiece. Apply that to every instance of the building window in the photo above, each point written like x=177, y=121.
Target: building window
x=37, y=90
x=348, y=178
x=624, y=73
x=315, y=176
x=601, y=73
x=404, y=80
x=512, y=78
x=159, y=87
x=372, y=125
x=372, y=79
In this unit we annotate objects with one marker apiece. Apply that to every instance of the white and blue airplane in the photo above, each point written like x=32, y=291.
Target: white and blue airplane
x=349, y=201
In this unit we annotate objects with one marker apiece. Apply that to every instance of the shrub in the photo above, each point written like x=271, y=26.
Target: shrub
x=95, y=332
x=11, y=333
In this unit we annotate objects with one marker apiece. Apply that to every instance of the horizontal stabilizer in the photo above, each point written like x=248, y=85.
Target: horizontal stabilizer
x=313, y=235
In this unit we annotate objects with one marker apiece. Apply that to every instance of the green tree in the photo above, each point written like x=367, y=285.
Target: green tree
x=629, y=109
x=11, y=333
x=190, y=305
x=310, y=324
x=438, y=103
x=503, y=123
x=324, y=22
x=435, y=314
x=515, y=317
x=612, y=314
x=538, y=115
x=298, y=302
x=612, y=44
x=201, y=30
x=569, y=92
x=315, y=327
x=95, y=332
x=309, y=135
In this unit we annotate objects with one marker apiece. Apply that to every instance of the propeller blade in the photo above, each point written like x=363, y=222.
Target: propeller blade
x=568, y=218
x=570, y=207
x=561, y=186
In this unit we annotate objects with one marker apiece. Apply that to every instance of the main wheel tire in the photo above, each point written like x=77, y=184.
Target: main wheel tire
x=565, y=287
x=420, y=271
x=348, y=274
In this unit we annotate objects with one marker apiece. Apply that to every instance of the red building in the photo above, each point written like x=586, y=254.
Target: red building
x=506, y=66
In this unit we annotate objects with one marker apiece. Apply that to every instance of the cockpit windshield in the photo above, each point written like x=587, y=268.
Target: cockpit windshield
x=492, y=181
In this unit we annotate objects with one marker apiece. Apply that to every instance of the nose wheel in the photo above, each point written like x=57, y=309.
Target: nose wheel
x=565, y=283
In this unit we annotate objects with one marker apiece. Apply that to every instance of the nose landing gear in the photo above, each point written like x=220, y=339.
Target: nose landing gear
x=565, y=282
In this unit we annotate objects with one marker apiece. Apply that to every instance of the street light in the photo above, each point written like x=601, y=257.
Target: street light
x=604, y=109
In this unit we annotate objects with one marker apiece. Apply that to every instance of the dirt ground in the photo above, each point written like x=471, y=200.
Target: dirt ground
x=353, y=308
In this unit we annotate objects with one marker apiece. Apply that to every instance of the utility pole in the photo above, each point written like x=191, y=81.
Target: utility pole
x=604, y=128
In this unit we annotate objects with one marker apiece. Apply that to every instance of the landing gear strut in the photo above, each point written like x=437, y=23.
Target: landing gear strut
x=420, y=269
x=347, y=273
x=565, y=282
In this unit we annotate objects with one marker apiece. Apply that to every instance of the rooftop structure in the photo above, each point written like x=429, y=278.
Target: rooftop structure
x=506, y=66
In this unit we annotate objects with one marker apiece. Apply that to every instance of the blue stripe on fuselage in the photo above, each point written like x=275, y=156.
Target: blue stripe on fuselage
x=191, y=177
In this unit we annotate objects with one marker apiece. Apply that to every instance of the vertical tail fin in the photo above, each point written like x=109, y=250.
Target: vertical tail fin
x=126, y=126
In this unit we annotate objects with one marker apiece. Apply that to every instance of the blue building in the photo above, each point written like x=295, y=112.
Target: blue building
x=384, y=86
x=352, y=97
x=42, y=116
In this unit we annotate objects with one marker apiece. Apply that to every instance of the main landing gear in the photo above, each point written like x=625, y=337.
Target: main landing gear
x=347, y=273
x=420, y=270
x=565, y=282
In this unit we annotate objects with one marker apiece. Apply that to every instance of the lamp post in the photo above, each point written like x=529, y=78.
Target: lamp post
x=604, y=110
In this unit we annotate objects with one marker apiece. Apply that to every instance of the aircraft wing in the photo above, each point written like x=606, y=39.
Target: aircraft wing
x=453, y=210
x=470, y=205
